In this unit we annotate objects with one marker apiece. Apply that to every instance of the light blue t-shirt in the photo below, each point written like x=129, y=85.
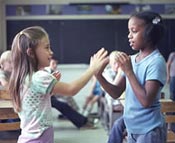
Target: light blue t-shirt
x=36, y=114
x=138, y=119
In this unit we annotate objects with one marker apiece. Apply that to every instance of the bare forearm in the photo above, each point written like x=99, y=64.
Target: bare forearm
x=70, y=89
x=168, y=72
x=108, y=87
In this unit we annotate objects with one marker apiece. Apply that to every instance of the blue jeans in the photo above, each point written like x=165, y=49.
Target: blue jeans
x=172, y=96
x=157, y=135
x=116, y=133
x=172, y=88
x=76, y=118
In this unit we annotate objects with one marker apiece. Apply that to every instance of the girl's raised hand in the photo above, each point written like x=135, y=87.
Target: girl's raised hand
x=99, y=61
x=124, y=62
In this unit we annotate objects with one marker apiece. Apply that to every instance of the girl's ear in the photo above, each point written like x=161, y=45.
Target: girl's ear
x=30, y=52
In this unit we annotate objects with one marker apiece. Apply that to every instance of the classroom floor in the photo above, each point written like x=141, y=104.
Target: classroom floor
x=66, y=132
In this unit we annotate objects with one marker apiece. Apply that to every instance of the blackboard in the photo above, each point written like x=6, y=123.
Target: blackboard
x=74, y=41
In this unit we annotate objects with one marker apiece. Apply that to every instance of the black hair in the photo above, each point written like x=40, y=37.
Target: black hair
x=155, y=28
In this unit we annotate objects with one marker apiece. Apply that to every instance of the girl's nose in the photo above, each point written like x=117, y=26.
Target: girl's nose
x=51, y=52
x=129, y=36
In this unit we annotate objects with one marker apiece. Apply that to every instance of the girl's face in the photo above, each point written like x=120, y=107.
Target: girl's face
x=43, y=53
x=7, y=66
x=113, y=64
x=136, y=28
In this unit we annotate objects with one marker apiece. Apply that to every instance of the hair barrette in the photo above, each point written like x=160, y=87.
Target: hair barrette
x=21, y=33
x=156, y=20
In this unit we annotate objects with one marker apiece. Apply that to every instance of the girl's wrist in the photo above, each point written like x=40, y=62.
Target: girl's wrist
x=129, y=73
x=91, y=70
x=99, y=76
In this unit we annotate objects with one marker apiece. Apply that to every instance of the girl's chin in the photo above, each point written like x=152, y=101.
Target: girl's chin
x=135, y=49
x=47, y=65
x=132, y=47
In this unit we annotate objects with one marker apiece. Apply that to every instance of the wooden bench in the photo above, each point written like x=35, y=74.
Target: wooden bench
x=7, y=113
x=167, y=107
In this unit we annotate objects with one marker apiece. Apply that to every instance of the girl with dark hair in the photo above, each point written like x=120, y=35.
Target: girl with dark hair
x=144, y=75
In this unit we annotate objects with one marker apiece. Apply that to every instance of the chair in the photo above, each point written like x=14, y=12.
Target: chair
x=167, y=107
x=109, y=112
x=7, y=113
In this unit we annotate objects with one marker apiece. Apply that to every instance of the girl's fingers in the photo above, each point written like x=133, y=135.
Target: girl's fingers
x=121, y=57
x=102, y=53
x=57, y=75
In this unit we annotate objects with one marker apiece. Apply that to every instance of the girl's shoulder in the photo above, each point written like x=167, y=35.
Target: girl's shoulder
x=42, y=72
x=43, y=81
x=42, y=75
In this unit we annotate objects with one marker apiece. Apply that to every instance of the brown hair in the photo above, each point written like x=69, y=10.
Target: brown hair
x=23, y=65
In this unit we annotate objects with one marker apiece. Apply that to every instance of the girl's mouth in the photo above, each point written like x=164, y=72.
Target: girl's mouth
x=131, y=43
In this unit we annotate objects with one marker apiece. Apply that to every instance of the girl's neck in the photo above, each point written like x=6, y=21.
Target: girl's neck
x=144, y=53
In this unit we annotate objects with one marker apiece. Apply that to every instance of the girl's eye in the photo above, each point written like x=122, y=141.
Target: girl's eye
x=133, y=30
x=47, y=47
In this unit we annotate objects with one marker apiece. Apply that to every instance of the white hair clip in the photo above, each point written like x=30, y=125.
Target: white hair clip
x=21, y=33
x=156, y=20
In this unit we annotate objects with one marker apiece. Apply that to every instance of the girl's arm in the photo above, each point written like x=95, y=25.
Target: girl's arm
x=75, y=86
x=168, y=70
x=145, y=94
x=114, y=90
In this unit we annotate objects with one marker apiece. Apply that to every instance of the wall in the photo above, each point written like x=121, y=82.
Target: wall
x=74, y=41
x=2, y=27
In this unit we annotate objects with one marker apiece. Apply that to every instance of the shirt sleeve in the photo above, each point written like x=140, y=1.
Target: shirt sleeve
x=43, y=82
x=157, y=70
